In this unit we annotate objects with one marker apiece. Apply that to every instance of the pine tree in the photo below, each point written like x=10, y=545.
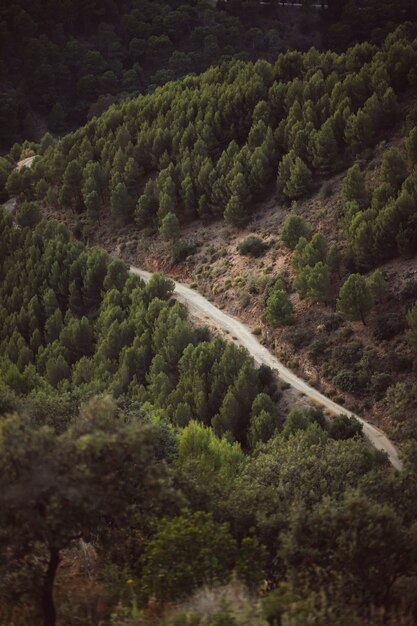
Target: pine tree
x=170, y=227
x=354, y=186
x=237, y=209
x=314, y=282
x=411, y=145
x=378, y=286
x=394, y=168
x=412, y=326
x=132, y=176
x=325, y=148
x=355, y=300
x=278, y=307
x=122, y=204
x=147, y=205
x=70, y=194
x=292, y=229
x=300, y=179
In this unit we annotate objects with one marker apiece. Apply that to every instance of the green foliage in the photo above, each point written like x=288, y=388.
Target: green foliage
x=182, y=149
x=354, y=186
x=378, y=286
x=83, y=322
x=293, y=229
x=354, y=301
x=326, y=149
x=185, y=553
x=297, y=419
x=170, y=227
x=308, y=253
x=28, y=215
x=182, y=249
x=373, y=549
x=122, y=204
x=411, y=145
x=236, y=211
x=252, y=246
x=278, y=308
x=394, y=168
x=314, y=282
x=64, y=477
x=294, y=177
x=345, y=427
x=412, y=325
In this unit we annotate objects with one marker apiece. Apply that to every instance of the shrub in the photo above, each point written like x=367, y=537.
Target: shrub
x=252, y=246
x=380, y=382
x=344, y=427
x=332, y=321
x=278, y=307
x=349, y=353
x=298, y=337
x=326, y=190
x=181, y=250
x=347, y=380
x=388, y=325
x=317, y=348
x=408, y=291
x=186, y=552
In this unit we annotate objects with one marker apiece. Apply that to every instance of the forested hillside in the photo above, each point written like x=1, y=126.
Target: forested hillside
x=75, y=319
x=150, y=473
x=217, y=145
x=210, y=146
x=188, y=477
x=62, y=63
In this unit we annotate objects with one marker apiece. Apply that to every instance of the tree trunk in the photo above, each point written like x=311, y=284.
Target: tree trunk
x=48, y=607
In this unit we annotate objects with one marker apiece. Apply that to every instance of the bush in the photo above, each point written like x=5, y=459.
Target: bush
x=380, y=382
x=347, y=380
x=298, y=337
x=332, y=321
x=278, y=308
x=344, y=427
x=399, y=361
x=349, y=353
x=326, y=190
x=388, y=325
x=408, y=291
x=181, y=250
x=252, y=246
x=185, y=552
x=317, y=348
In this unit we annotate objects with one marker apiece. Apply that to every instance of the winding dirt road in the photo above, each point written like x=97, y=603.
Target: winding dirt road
x=198, y=305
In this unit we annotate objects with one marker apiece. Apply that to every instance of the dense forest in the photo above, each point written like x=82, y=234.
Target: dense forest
x=210, y=146
x=188, y=476
x=61, y=64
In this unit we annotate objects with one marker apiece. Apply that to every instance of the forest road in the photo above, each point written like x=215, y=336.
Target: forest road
x=198, y=305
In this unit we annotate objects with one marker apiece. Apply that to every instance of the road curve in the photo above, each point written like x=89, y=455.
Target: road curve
x=200, y=305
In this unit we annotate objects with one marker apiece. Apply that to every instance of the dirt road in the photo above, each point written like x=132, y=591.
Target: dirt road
x=197, y=304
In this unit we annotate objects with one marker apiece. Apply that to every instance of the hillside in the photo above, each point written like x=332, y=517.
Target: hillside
x=310, y=143
x=151, y=473
x=62, y=65
x=190, y=424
